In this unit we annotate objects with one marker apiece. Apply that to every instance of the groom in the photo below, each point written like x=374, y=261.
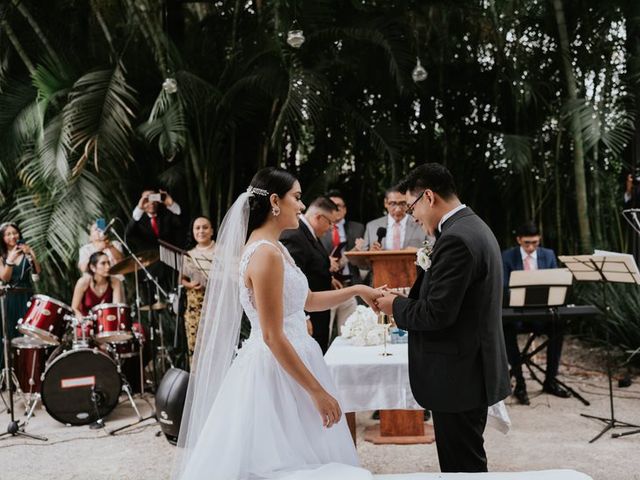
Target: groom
x=457, y=361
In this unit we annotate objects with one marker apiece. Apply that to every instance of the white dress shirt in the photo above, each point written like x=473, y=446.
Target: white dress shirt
x=138, y=212
x=304, y=220
x=534, y=256
x=403, y=228
x=450, y=214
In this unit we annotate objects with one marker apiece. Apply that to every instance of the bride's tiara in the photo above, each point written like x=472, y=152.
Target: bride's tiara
x=257, y=191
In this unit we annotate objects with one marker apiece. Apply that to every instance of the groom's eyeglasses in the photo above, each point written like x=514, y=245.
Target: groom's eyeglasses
x=414, y=203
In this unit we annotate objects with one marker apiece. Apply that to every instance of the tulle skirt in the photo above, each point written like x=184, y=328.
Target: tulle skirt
x=263, y=425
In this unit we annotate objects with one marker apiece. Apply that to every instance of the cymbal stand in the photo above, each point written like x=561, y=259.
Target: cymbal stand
x=162, y=349
x=159, y=290
x=14, y=428
x=126, y=388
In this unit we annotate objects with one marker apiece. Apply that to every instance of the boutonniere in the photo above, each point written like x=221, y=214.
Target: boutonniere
x=423, y=255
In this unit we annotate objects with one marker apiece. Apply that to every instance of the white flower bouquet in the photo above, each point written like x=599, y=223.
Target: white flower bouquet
x=362, y=328
x=423, y=255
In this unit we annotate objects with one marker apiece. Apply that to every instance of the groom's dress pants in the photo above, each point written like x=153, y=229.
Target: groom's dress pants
x=459, y=440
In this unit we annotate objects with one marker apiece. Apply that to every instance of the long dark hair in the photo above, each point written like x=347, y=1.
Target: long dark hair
x=273, y=180
x=3, y=246
x=93, y=261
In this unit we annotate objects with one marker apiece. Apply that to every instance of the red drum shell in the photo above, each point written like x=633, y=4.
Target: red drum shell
x=29, y=360
x=44, y=319
x=112, y=322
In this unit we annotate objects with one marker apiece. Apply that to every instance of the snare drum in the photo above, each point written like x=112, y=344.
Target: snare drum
x=112, y=322
x=81, y=385
x=44, y=319
x=29, y=357
x=82, y=332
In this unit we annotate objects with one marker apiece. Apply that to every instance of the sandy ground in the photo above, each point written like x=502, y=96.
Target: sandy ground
x=548, y=434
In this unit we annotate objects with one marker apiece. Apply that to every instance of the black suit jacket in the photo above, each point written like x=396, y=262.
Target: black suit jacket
x=457, y=359
x=353, y=230
x=141, y=234
x=309, y=255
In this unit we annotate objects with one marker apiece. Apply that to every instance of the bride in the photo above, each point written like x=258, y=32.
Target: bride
x=269, y=412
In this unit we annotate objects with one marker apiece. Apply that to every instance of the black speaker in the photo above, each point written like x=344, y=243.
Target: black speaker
x=170, y=399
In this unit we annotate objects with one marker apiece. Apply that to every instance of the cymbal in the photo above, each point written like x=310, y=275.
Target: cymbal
x=129, y=264
x=153, y=306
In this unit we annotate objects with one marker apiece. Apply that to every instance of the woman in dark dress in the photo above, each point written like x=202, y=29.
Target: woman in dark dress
x=17, y=263
x=96, y=287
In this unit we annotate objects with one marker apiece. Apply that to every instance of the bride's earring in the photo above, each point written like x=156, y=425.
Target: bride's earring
x=275, y=211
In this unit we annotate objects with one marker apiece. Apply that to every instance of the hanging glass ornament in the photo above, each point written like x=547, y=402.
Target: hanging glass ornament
x=419, y=74
x=170, y=85
x=295, y=37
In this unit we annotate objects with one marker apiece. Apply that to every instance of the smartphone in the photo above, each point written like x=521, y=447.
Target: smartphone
x=21, y=241
x=101, y=224
x=337, y=250
x=156, y=197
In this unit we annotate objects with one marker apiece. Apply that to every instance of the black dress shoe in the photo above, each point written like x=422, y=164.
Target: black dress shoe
x=555, y=389
x=520, y=392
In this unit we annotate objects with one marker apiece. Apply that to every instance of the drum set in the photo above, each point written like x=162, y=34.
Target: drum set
x=77, y=366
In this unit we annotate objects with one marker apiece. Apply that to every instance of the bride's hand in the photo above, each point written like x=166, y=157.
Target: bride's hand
x=370, y=295
x=328, y=407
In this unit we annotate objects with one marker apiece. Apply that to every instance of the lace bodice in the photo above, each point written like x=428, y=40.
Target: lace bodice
x=295, y=290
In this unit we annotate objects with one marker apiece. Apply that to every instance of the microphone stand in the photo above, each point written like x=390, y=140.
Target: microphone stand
x=153, y=349
x=14, y=428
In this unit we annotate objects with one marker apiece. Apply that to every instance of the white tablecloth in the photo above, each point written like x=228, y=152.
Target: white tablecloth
x=367, y=380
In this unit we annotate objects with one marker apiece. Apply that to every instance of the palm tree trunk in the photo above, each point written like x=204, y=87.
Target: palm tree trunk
x=578, y=147
x=558, y=191
x=16, y=44
x=19, y=4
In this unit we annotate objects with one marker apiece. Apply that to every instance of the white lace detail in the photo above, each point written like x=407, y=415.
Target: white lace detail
x=295, y=290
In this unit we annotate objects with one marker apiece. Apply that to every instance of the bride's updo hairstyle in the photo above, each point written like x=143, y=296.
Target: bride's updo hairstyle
x=264, y=183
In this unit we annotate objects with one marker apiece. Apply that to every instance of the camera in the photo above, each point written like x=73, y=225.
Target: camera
x=157, y=197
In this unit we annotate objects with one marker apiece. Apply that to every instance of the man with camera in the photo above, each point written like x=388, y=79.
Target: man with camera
x=155, y=217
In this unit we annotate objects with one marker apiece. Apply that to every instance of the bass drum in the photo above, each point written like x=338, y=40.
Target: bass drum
x=80, y=386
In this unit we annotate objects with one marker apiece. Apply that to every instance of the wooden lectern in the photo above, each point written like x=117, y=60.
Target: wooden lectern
x=395, y=269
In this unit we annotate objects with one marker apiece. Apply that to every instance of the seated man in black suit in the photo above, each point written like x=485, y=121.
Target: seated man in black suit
x=304, y=246
x=529, y=255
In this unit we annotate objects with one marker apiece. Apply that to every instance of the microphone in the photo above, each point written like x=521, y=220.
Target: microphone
x=34, y=276
x=381, y=233
x=109, y=225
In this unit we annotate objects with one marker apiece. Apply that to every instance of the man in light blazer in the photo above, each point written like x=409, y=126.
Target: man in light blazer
x=401, y=230
x=529, y=255
x=457, y=361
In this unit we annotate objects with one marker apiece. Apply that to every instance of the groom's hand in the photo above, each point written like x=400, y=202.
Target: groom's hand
x=385, y=303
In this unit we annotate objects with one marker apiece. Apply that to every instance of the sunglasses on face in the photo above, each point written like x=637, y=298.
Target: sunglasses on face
x=414, y=203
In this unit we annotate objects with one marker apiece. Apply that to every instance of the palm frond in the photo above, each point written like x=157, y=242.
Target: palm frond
x=99, y=115
x=166, y=125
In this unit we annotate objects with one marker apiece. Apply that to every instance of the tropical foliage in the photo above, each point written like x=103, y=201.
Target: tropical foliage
x=531, y=104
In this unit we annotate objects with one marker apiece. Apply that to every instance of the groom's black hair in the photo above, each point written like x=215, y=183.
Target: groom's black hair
x=271, y=180
x=434, y=176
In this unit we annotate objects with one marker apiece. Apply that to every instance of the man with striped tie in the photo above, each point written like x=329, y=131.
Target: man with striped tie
x=529, y=255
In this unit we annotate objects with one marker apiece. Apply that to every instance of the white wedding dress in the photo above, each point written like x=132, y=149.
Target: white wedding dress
x=263, y=425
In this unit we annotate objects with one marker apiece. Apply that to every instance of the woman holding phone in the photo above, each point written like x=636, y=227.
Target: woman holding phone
x=18, y=263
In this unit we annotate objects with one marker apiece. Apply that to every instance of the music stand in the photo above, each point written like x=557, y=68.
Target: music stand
x=604, y=267
x=545, y=288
